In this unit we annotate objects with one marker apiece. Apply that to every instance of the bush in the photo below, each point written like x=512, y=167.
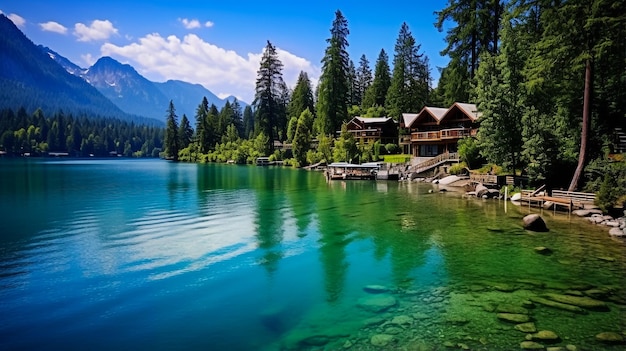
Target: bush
x=393, y=148
x=607, y=177
x=458, y=168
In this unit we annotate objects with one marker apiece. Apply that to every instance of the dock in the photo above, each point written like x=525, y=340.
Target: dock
x=349, y=171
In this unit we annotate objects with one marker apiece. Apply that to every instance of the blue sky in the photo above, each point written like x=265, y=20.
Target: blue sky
x=219, y=44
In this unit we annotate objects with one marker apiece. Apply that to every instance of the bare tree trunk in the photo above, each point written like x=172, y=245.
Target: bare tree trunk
x=585, y=130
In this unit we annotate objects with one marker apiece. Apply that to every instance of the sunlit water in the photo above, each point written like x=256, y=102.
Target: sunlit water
x=132, y=255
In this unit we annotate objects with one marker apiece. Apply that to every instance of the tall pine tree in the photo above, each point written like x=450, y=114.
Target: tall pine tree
x=268, y=99
x=333, y=88
x=171, y=133
x=376, y=94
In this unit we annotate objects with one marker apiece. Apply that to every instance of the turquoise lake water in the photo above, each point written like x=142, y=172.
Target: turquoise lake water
x=152, y=255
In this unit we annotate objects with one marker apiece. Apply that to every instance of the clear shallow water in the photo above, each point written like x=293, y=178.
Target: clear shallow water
x=127, y=254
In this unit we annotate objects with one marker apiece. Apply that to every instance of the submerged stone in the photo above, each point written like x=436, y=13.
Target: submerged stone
x=528, y=327
x=580, y=301
x=558, y=305
x=543, y=250
x=508, y=308
x=375, y=289
x=531, y=345
x=546, y=335
x=513, y=317
x=610, y=338
x=381, y=339
x=535, y=223
x=377, y=303
x=401, y=320
x=315, y=340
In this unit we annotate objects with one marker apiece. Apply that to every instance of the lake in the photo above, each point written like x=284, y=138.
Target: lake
x=151, y=255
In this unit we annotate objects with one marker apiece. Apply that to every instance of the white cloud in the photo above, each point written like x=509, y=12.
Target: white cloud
x=98, y=30
x=17, y=19
x=190, y=24
x=52, y=26
x=193, y=60
x=194, y=23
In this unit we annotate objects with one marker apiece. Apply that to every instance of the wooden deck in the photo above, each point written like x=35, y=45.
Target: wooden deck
x=569, y=200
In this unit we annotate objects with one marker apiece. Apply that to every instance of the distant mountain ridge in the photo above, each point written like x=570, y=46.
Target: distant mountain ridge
x=135, y=94
x=29, y=78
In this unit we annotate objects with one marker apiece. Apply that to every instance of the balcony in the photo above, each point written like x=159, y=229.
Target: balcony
x=444, y=134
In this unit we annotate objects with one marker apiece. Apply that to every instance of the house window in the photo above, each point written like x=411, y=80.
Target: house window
x=429, y=150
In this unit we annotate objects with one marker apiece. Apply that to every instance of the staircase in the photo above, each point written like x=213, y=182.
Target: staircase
x=435, y=162
x=620, y=146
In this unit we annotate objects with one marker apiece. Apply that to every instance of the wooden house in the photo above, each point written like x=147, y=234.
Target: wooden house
x=434, y=130
x=371, y=129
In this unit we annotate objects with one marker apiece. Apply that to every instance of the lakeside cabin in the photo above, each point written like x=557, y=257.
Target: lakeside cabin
x=349, y=171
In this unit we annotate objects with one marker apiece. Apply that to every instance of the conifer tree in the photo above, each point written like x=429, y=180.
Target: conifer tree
x=333, y=88
x=185, y=132
x=203, y=130
x=248, y=122
x=269, y=90
x=409, y=87
x=376, y=94
x=171, y=133
x=363, y=79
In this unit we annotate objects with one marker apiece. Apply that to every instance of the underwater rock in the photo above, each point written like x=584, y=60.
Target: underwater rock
x=555, y=348
x=546, y=335
x=535, y=223
x=543, y=250
x=531, y=345
x=375, y=289
x=584, y=302
x=381, y=339
x=598, y=293
x=457, y=320
x=508, y=308
x=377, y=303
x=610, y=338
x=528, y=327
x=558, y=305
x=513, y=317
x=401, y=320
x=393, y=330
x=373, y=321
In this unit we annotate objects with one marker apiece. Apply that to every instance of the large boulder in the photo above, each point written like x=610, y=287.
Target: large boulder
x=377, y=303
x=617, y=232
x=610, y=338
x=516, y=197
x=481, y=190
x=535, y=223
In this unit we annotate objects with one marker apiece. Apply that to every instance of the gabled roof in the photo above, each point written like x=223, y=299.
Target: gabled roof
x=408, y=118
x=434, y=113
x=468, y=110
x=368, y=120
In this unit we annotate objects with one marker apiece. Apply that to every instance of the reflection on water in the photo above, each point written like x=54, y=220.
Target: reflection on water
x=126, y=254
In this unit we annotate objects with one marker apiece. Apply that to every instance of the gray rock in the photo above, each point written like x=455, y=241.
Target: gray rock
x=584, y=302
x=582, y=213
x=617, y=232
x=381, y=339
x=614, y=224
x=610, y=338
x=377, y=303
x=535, y=223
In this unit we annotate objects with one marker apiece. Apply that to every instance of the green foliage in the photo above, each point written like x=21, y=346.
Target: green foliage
x=345, y=147
x=396, y=158
x=410, y=81
x=490, y=168
x=172, y=143
x=79, y=136
x=459, y=168
x=333, y=88
x=376, y=94
x=376, y=111
x=393, y=148
x=302, y=137
x=269, y=102
x=607, y=178
x=469, y=152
